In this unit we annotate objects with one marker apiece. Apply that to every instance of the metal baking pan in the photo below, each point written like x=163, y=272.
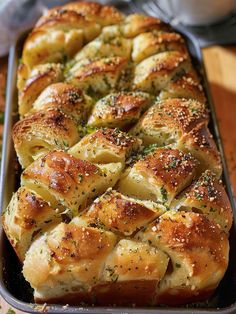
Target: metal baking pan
x=17, y=292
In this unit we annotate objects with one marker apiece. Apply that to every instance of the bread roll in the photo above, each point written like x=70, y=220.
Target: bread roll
x=184, y=85
x=62, y=31
x=119, y=109
x=135, y=24
x=101, y=14
x=55, y=122
x=120, y=202
x=105, y=146
x=167, y=121
x=68, y=182
x=42, y=131
x=27, y=216
x=181, y=124
x=67, y=98
x=154, y=73
x=32, y=84
x=109, y=43
x=67, y=258
x=207, y=196
x=151, y=43
x=159, y=176
x=169, y=257
x=122, y=214
x=198, y=251
x=200, y=143
x=131, y=274
x=99, y=76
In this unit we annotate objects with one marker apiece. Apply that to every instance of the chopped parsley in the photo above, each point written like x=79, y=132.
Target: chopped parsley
x=1, y=117
x=164, y=194
x=150, y=149
x=178, y=75
x=10, y=311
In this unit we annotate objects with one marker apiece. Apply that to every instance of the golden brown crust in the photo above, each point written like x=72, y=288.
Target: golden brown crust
x=134, y=24
x=131, y=260
x=68, y=181
x=73, y=245
x=198, y=250
x=207, y=196
x=119, y=109
x=150, y=43
x=105, y=66
x=58, y=17
x=122, y=214
x=41, y=132
x=154, y=73
x=106, y=145
x=39, y=78
x=181, y=124
x=108, y=43
x=27, y=216
x=62, y=18
x=46, y=45
x=105, y=15
x=184, y=85
x=168, y=121
x=132, y=263
x=62, y=31
x=199, y=141
x=159, y=176
x=55, y=120
x=67, y=98
x=75, y=264
x=99, y=76
x=155, y=236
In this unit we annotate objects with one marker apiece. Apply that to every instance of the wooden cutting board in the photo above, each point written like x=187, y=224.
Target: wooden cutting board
x=220, y=64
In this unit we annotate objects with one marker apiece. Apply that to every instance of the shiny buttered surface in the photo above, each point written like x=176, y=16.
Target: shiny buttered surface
x=120, y=200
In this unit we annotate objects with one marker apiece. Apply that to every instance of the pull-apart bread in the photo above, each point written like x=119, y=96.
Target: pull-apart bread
x=121, y=201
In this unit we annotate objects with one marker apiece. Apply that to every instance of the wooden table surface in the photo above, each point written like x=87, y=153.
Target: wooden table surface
x=220, y=64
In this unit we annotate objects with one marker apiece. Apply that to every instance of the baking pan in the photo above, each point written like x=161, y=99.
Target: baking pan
x=17, y=292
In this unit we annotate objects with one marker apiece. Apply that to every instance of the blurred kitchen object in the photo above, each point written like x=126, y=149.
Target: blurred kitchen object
x=19, y=15
x=194, y=16
x=15, y=17
x=210, y=21
x=198, y=12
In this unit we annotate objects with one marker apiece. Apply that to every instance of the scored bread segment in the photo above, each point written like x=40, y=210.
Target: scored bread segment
x=181, y=124
x=68, y=182
x=98, y=76
x=67, y=98
x=27, y=216
x=207, y=196
x=122, y=214
x=167, y=121
x=105, y=146
x=119, y=110
x=160, y=176
x=129, y=271
x=68, y=259
x=41, y=132
x=153, y=74
x=184, y=237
